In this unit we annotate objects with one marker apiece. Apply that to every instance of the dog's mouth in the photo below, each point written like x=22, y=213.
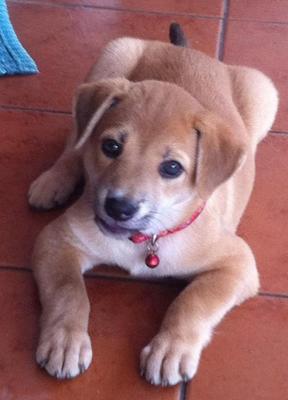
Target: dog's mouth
x=115, y=228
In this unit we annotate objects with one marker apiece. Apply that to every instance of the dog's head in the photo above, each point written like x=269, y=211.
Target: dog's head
x=150, y=152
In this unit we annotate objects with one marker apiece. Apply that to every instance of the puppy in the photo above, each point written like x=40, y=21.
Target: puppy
x=166, y=138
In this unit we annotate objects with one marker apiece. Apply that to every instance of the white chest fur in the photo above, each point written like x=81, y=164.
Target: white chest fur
x=105, y=249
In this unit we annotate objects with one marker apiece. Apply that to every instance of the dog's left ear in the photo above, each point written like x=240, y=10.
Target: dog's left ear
x=91, y=101
x=221, y=150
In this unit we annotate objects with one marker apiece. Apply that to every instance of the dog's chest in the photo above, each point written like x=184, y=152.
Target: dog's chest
x=173, y=257
x=179, y=254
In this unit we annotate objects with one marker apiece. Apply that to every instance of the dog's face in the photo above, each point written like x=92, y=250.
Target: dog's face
x=150, y=152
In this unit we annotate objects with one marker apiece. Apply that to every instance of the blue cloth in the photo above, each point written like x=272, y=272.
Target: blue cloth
x=14, y=59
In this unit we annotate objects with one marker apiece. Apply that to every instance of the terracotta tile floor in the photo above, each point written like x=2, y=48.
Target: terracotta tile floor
x=248, y=357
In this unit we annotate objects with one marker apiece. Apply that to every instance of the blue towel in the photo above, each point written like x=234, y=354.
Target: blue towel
x=14, y=59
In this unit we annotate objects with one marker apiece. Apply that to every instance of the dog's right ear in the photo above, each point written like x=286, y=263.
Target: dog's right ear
x=222, y=149
x=91, y=101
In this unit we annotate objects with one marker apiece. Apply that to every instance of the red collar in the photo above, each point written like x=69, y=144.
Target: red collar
x=152, y=260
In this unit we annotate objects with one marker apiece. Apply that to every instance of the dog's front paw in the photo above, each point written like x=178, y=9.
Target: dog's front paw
x=51, y=189
x=168, y=360
x=64, y=353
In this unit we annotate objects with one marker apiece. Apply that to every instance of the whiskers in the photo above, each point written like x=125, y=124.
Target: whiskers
x=164, y=220
x=169, y=218
x=154, y=223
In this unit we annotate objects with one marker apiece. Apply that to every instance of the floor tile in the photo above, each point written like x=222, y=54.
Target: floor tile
x=263, y=46
x=260, y=10
x=264, y=225
x=65, y=53
x=195, y=7
x=30, y=142
x=117, y=339
x=247, y=358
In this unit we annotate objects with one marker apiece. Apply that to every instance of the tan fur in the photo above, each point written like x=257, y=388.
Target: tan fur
x=173, y=103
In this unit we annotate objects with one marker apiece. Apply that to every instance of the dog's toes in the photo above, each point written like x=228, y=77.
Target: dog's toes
x=77, y=358
x=64, y=354
x=167, y=361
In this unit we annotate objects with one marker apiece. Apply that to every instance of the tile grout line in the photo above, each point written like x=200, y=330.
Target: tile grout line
x=139, y=11
x=4, y=107
x=173, y=282
x=278, y=133
x=223, y=30
x=12, y=268
x=271, y=294
x=183, y=391
x=256, y=21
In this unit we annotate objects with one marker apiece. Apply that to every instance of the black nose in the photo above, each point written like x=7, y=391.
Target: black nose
x=120, y=209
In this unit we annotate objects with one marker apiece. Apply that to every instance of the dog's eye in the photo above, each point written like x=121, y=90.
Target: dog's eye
x=170, y=169
x=111, y=148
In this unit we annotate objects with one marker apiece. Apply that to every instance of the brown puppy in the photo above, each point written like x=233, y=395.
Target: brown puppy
x=160, y=131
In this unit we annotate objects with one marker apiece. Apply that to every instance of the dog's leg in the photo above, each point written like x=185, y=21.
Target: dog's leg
x=256, y=98
x=64, y=348
x=173, y=355
x=118, y=59
x=54, y=186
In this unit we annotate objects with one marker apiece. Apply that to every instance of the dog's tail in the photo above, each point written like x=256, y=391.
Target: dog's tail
x=176, y=35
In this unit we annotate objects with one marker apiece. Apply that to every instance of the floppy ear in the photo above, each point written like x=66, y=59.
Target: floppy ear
x=221, y=150
x=91, y=101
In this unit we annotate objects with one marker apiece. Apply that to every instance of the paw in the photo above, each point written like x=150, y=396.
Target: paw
x=168, y=360
x=64, y=353
x=51, y=189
